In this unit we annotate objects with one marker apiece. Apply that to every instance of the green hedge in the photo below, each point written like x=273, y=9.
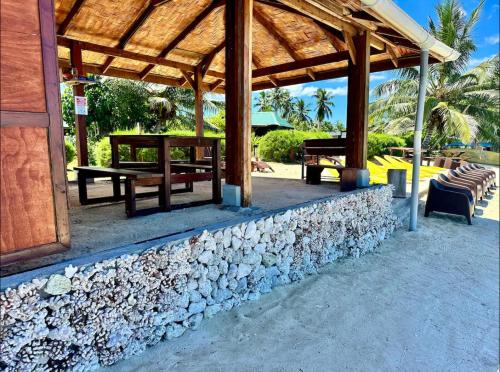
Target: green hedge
x=103, y=148
x=70, y=151
x=378, y=143
x=278, y=145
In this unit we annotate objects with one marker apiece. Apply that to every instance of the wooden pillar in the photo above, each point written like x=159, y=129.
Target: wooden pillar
x=357, y=102
x=239, y=96
x=198, y=107
x=80, y=120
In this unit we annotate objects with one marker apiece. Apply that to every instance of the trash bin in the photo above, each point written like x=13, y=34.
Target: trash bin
x=397, y=178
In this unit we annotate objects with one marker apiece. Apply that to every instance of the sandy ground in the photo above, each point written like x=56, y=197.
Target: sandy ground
x=426, y=301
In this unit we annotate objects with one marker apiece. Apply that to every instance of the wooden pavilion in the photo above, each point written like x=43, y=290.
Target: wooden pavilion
x=232, y=47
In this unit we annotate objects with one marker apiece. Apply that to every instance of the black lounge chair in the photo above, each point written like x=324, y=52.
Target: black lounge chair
x=451, y=200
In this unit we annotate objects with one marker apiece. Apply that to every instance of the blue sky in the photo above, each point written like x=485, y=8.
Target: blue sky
x=486, y=36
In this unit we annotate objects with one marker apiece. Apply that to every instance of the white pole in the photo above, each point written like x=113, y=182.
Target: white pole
x=417, y=139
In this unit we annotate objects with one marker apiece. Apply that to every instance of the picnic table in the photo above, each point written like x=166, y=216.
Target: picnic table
x=163, y=173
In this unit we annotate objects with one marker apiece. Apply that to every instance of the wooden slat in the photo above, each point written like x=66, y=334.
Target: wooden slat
x=238, y=28
x=24, y=119
x=182, y=35
x=27, y=213
x=357, y=103
x=72, y=13
x=198, y=107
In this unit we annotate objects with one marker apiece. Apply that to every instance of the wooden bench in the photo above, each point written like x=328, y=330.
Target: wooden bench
x=315, y=149
x=133, y=178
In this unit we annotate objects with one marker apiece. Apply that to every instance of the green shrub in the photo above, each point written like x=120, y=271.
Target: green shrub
x=279, y=145
x=70, y=151
x=378, y=143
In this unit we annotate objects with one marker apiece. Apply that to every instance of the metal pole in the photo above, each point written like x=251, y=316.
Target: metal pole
x=417, y=139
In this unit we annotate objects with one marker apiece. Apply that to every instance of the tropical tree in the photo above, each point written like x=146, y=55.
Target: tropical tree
x=264, y=102
x=175, y=107
x=458, y=103
x=281, y=102
x=300, y=113
x=324, y=105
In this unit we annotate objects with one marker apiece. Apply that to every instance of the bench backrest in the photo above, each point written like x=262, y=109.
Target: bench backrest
x=330, y=146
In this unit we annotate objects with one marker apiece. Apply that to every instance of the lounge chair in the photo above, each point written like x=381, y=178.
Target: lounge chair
x=479, y=182
x=451, y=200
x=444, y=180
x=465, y=182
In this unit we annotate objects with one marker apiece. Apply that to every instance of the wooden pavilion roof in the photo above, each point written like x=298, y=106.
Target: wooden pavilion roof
x=164, y=41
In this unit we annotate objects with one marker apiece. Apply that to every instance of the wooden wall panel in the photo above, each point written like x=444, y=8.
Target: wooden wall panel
x=21, y=72
x=20, y=16
x=27, y=204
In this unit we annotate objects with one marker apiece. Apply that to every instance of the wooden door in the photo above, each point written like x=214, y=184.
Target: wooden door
x=34, y=209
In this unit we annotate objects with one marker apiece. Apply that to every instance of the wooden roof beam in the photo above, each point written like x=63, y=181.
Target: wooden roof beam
x=69, y=17
x=394, y=55
x=351, y=47
x=195, y=22
x=318, y=13
x=189, y=79
x=207, y=61
x=116, y=52
x=215, y=85
x=298, y=65
x=133, y=28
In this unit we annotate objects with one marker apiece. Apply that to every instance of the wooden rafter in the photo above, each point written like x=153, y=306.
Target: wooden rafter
x=72, y=13
x=393, y=54
x=189, y=79
x=351, y=47
x=181, y=36
x=208, y=59
x=116, y=52
x=275, y=33
x=319, y=14
x=298, y=65
x=216, y=84
x=129, y=33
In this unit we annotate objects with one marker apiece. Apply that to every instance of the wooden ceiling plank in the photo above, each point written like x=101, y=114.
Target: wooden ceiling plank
x=69, y=17
x=182, y=35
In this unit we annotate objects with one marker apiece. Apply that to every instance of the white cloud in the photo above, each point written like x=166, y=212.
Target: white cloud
x=477, y=61
x=493, y=39
x=300, y=90
x=377, y=76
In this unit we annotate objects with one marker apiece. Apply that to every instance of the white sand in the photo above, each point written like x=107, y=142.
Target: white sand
x=424, y=301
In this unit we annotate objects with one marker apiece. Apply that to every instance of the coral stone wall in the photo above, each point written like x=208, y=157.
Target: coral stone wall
x=110, y=310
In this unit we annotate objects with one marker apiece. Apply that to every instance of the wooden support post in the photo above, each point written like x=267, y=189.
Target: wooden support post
x=80, y=120
x=357, y=103
x=198, y=107
x=239, y=96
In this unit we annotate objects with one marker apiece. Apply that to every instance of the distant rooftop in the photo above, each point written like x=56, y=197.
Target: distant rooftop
x=269, y=119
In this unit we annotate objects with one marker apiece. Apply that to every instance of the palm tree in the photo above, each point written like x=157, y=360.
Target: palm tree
x=458, y=102
x=324, y=105
x=281, y=101
x=173, y=103
x=264, y=102
x=301, y=111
